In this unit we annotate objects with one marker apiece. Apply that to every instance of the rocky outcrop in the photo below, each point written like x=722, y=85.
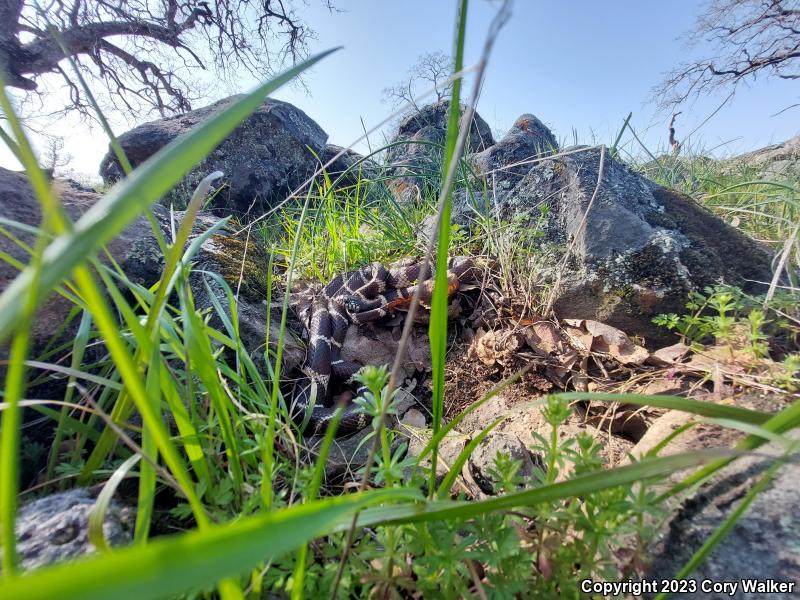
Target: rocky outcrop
x=56, y=528
x=508, y=160
x=414, y=159
x=265, y=158
x=775, y=162
x=137, y=253
x=642, y=248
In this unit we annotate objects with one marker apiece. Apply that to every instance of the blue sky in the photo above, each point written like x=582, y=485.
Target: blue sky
x=579, y=66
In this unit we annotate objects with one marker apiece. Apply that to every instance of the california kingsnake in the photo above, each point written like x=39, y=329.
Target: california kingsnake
x=359, y=297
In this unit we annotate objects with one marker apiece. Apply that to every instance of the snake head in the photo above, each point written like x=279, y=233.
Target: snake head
x=352, y=305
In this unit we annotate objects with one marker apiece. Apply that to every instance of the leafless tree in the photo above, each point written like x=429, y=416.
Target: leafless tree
x=432, y=70
x=143, y=52
x=54, y=156
x=749, y=37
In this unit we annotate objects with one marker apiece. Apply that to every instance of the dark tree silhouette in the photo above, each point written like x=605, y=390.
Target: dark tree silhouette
x=143, y=51
x=750, y=37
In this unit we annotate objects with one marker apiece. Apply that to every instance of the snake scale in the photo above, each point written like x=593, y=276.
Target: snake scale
x=359, y=297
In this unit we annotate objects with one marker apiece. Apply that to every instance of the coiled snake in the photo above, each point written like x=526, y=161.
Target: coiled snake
x=359, y=297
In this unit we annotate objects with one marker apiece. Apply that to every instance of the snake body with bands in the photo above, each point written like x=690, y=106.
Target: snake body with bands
x=359, y=297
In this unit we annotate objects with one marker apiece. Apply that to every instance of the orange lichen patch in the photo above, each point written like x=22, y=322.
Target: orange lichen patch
x=523, y=124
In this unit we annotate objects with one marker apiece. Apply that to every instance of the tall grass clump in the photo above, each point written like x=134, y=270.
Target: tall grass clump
x=176, y=404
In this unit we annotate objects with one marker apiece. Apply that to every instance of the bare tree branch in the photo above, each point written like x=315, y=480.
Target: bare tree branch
x=143, y=51
x=750, y=37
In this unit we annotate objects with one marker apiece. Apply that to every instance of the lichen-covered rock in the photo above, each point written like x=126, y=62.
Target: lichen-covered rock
x=509, y=159
x=414, y=160
x=642, y=248
x=56, y=528
x=764, y=543
x=263, y=159
x=242, y=263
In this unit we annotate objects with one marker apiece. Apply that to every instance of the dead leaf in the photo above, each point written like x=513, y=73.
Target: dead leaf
x=578, y=337
x=543, y=335
x=496, y=347
x=605, y=339
x=666, y=357
x=663, y=386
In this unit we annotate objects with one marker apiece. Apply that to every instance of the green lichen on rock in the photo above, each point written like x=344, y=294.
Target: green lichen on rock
x=242, y=263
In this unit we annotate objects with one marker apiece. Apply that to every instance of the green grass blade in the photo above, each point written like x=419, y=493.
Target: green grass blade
x=68, y=422
x=147, y=473
x=204, y=366
x=613, y=150
x=695, y=407
x=572, y=488
x=78, y=351
x=786, y=420
x=268, y=451
x=437, y=329
x=312, y=493
x=97, y=516
x=170, y=566
x=53, y=220
x=463, y=456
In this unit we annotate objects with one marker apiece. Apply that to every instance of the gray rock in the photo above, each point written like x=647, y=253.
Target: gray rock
x=483, y=458
x=764, y=543
x=236, y=257
x=135, y=249
x=481, y=463
x=449, y=449
x=56, y=528
x=776, y=162
x=527, y=139
x=263, y=159
x=643, y=247
x=414, y=164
